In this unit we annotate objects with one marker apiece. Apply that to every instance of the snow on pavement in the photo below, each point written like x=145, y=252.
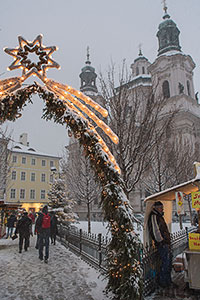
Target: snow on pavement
x=65, y=277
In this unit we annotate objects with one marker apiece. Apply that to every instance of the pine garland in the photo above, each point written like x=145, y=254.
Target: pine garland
x=125, y=276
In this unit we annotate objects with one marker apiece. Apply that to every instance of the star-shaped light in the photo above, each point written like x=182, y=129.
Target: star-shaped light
x=23, y=62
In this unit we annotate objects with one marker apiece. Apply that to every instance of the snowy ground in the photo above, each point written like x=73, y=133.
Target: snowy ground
x=65, y=277
x=99, y=227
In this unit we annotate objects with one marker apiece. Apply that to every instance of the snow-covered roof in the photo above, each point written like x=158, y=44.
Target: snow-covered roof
x=20, y=148
x=171, y=52
x=169, y=194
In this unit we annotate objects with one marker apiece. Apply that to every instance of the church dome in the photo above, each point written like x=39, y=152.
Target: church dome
x=168, y=35
x=88, y=77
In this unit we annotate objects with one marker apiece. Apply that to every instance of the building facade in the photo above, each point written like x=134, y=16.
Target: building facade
x=30, y=175
x=170, y=76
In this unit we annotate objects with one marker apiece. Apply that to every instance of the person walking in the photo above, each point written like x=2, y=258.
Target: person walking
x=160, y=236
x=24, y=228
x=43, y=225
x=12, y=219
x=53, y=228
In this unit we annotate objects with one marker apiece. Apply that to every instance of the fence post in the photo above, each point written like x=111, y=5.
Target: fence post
x=61, y=232
x=100, y=253
x=81, y=240
x=187, y=237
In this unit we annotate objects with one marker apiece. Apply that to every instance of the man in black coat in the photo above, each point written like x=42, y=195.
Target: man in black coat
x=11, y=224
x=24, y=228
x=160, y=236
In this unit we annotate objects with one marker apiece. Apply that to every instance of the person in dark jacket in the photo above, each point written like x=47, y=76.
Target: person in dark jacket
x=160, y=237
x=24, y=228
x=54, y=227
x=43, y=225
x=10, y=225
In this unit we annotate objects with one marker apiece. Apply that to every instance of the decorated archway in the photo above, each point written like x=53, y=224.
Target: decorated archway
x=66, y=105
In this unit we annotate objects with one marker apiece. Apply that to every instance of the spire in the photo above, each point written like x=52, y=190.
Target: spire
x=166, y=16
x=88, y=57
x=168, y=33
x=140, y=50
x=88, y=77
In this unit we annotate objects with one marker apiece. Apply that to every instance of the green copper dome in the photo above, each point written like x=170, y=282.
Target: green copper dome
x=88, y=77
x=168, y=36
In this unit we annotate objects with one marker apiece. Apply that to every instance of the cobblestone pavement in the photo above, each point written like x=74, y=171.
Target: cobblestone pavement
x=24, y=277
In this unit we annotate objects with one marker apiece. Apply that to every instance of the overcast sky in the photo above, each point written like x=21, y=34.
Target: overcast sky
x=112, y=29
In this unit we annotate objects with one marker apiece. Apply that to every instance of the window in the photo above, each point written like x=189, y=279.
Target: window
x=33, y=161
x=43, y=177
x=32, y=194
x=32, y=176
x=22, y=194
x=143, y=70
x=166, y=91
x=188, y=88
x=14, y=159
x=43, y=163
x=14, y=175
x=51, y=163
x=23, y=160
x=23, y=176
x=137, y=71
x=42, y=195
x=12, y=193
x=51, y=178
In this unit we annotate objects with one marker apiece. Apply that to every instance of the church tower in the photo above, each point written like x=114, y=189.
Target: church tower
x=172, y=71
x=88, y=78
x=172, y=79
x=140, y=73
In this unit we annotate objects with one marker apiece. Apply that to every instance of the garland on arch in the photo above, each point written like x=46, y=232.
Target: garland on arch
x=124, y=270
x=65, y=105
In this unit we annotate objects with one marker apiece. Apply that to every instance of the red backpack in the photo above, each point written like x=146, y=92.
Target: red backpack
x=46, y=221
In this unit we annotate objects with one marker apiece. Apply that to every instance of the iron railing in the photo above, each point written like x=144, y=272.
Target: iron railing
x=92, y=249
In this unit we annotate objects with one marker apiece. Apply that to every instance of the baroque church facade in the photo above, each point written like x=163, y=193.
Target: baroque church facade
x=171, y=74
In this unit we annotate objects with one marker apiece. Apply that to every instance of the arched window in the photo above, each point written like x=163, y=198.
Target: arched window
x=166, y=91
x=137, y=71
x=188, y=88
x=143, y=70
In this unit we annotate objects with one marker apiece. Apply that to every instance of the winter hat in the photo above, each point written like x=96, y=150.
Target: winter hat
x=45, y=209
x=158, y=203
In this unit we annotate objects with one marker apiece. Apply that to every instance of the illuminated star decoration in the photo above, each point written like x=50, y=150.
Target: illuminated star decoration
x=74, y=100
x=22, y=61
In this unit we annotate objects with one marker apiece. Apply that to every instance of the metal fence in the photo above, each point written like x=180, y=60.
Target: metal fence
x=92, y=249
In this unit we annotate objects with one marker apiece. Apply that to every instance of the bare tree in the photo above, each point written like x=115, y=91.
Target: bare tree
x=135, y=115
x=5, y=156
x=80, y=179
x=172, y=164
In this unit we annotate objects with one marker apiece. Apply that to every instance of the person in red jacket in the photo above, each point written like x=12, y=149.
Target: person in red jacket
x=43, y=225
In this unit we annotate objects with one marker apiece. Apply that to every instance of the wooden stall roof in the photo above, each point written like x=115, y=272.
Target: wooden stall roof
x=169, y=194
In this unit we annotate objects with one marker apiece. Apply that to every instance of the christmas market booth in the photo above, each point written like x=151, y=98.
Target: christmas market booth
x=176, y=198
x=5, y=210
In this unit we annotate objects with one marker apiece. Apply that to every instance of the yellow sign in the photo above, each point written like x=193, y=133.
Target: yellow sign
x=194, y=241
x=179, y=203
x=195, y=199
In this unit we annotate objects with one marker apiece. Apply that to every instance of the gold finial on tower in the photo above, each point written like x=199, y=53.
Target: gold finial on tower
x=164, y=6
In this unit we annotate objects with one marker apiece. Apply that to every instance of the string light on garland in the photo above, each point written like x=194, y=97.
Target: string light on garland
x=66, y=105
x=70, y=96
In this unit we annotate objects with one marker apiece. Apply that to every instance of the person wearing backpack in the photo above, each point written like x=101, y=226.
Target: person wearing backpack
x=43, y=225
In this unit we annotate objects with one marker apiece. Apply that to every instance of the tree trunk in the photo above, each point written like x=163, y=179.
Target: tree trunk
x=89, y=220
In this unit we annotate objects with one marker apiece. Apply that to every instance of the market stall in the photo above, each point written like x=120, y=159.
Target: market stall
x=5, y=210
x=168, y=197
